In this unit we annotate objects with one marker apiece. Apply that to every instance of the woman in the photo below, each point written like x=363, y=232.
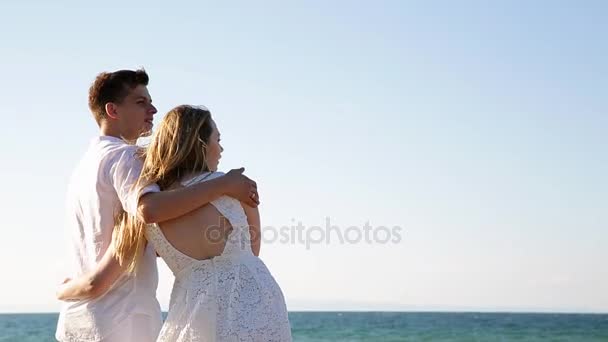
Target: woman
x=222, y=290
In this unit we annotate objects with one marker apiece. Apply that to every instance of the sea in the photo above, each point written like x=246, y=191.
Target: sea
x=385, y=326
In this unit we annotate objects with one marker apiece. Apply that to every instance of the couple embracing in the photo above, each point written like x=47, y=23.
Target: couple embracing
x=127, y=204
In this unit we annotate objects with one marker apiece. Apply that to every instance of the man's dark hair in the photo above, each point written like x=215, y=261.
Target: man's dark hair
x=113, y=87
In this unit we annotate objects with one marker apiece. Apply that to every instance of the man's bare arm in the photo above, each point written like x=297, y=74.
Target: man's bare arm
x=165, y=205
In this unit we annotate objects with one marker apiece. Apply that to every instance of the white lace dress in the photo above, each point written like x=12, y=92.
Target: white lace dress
x=231, y=297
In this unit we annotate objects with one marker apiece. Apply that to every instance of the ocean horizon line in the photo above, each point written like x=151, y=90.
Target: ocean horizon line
x=416, y=311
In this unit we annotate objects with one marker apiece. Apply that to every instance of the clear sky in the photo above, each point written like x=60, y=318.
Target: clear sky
x=478, y=128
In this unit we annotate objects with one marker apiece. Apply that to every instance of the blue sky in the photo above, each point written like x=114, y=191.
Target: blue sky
x=476, y=127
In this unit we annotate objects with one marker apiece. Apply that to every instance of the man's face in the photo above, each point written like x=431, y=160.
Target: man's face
x=135, y=114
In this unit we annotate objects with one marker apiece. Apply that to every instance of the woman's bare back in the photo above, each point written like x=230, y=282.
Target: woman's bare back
x=200, y=234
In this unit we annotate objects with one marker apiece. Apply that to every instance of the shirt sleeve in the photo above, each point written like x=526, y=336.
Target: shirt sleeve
x=124, y=175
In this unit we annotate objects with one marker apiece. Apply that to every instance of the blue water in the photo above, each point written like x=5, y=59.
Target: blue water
x=386, y=326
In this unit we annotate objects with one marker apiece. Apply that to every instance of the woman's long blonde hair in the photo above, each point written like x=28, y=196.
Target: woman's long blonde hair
x=176, y=150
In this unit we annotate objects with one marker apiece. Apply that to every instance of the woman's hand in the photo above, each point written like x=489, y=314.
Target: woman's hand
x=61, y=290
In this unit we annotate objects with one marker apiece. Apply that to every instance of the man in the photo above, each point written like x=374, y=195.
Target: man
x=124, y=305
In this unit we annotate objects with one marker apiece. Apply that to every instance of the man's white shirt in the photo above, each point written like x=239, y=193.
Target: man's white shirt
x=101, y=186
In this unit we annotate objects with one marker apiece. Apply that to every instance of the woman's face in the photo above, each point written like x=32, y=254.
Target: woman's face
x=214, y=150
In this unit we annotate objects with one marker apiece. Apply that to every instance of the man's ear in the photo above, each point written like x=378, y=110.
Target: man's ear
x=111, y=110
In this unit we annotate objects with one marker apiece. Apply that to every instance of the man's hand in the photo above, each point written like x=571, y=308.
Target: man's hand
x=241, y=187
